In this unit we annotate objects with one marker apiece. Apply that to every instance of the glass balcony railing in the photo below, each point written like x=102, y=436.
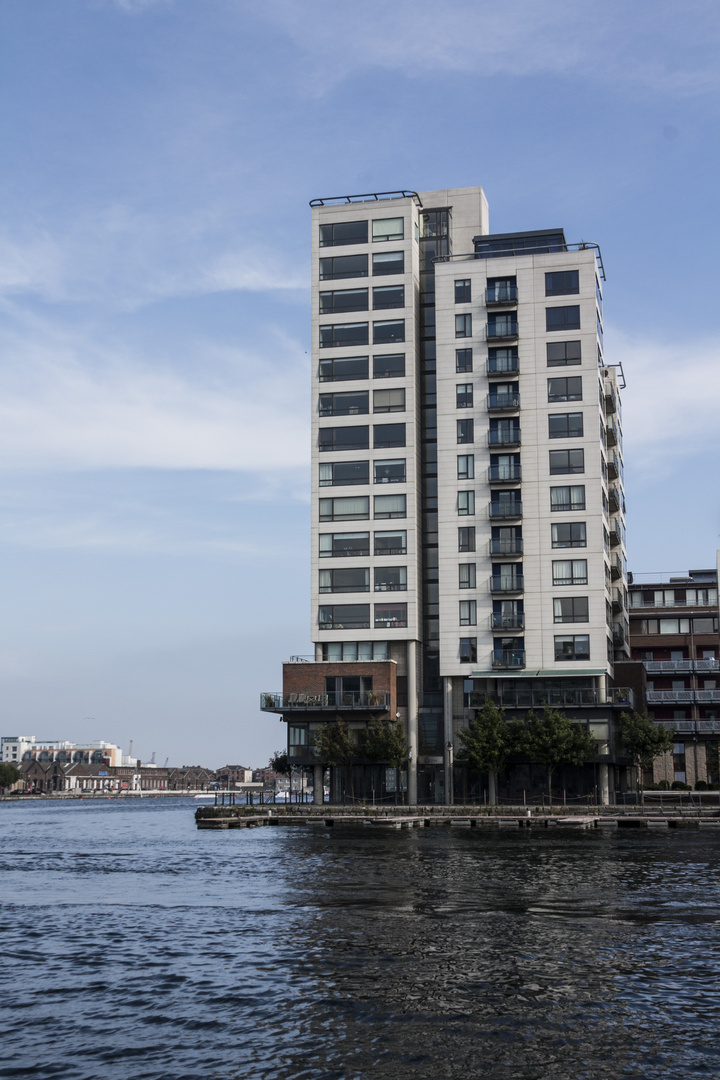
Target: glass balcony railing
x=503, y=402
x=515, y=621
x=503, y=511
x=502, y=330
x=508, y=658
x=504, y=474
x=503, y=365
x=504, y=437
x=502, y=546
x=501, y=294
x=507, y=584
x=308, y=702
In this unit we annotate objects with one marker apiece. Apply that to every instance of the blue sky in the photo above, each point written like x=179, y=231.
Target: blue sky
x=158, y=159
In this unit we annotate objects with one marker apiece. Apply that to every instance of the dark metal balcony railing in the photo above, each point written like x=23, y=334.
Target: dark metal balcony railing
x=504, y=330
x=503, y=402
x=618, y=634
x=657, y=666
x=503, y=365
x=610, y=400
x=613, y=467
x=507, y=584
x=515, y=621
x=522, y=698
x=509, y=658
x=506, y=510
x=506, y=547
x=611, y=433
x=501, y=294
x=271, y=702
x=614, y=500
x=616, y=567
x=504, y=474
x=504, y=438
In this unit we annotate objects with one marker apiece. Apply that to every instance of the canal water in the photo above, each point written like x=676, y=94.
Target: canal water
x=133, y=945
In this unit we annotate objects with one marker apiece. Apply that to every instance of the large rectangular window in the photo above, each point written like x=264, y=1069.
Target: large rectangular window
x=463, y=326
x=567, y=461
x=562, y=283
x=344, y=438
x=390, y=506
x=347, y=403
x=390, y=616
x=466, y=466
x=463, y=360
x=388, y=296
x=389, y=472
x=337, y=335
x=468, y=612
x=389, y=400
x=565, y=425
x=343, y=300
x=388, y=435
x=344, y=473
x=567, y=388
x=463, y=291
x=468, y=650
x=466, y=502
x=567, y=498
x=563, y=353
x=569, y=571
x=388, y=229
x=343, y=266
x=345, y=580
x=465, y=431
x=464, y=395
x=393, y=542
x=570, y=609
x=388, y=262
x=345, y=508
x=344, y=545
x=388, y=331
x=343, y=232
x=389, y=367
x=345, y=617
x=568, y=534
x=572, y=647
x=391, y=579
x=344, y=368
x=466, y=538
x=466, y=575
x=562, y=318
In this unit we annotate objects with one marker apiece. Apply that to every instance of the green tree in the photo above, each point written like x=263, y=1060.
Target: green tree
x=9, y=775
x=487, y=743
x=643, y=740
x=552, y=740
x=384, y=741
x=336, y=746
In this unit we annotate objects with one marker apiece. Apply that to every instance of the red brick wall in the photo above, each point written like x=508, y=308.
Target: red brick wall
x=310, y=678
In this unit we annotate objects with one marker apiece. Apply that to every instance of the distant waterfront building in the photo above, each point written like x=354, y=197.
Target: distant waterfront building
x=232, y=775
x=18, y=748
x=674, y=632
x=468, y=507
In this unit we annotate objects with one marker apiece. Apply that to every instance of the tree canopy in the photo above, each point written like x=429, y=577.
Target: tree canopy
x=642, y=739
x=9, y=774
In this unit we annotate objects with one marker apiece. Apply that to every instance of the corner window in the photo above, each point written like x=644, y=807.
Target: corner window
x=567, y=461
x=463, y=360
x=344, y=438
x=389, y=367
x=389, y=296
x=388, y=435
x=568, y=534
x=343, y=232
x=466, y=467
x=389, y=400
x=562, y=283
x=388, y=331
x=565, y=389
x=335, y=335
x=390, y=616
x=343, y=266
x=342, y=545
x=391, y=579
x=344, y=473
x=343, y=300
x=562, y=318
x=388, y=229
x=570, y=609
x=565, y=426
x=345, y=508
x=466, y=502
x=468, y=650
x=388, y=262
x=563, y=353
x=465, y=431
x=463, y=291
x=391, y=543
x=572, y=647
x=389, y=472
x=466, y=539
x=463, y=326
x=343, y=369
x=567, y=498
x=389, y=506
x=468, y=612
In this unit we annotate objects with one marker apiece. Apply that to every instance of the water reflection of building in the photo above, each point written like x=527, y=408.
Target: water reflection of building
x=468, y=534
x=674, y=632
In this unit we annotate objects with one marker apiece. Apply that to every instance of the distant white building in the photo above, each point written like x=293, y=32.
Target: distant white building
x=17, y=748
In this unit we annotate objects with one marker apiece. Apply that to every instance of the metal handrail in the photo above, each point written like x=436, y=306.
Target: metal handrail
x=367, y=197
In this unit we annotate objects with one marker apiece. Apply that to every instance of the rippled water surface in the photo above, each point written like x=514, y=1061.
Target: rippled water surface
x=135, y=946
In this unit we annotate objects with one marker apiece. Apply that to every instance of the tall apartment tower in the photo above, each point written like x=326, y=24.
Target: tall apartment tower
x=468, y=535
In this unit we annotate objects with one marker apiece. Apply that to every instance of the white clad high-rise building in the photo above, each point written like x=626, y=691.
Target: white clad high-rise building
x=468, y=534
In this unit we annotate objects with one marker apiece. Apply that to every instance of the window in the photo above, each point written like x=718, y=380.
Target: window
x=345, y=509
x=466, y=539
x=563, y=353
x=349, y=403
x=562, y=283
x=565, y=425
x=502, y=326
x=504, y=432
x=567, y=498
x=463, y=291
x=388, y=229
x=343, y=232
x=570, y=571
x=391, y=543
x=572, y=647
x=340, y=545
x=335, y=335
x=568, y=534
x=343, y=266
x=391, y=579
x=467, y=577
x=562, y=318
x=344, y=438
x=387, y=435
x=468, y=650
x=463, y=326
x=468, y=612
x=389, y=296
x=463, y=360
x=565, y=389
x=390, y=616
x=389, y=400
x=343, y=300
x=344, y=473
x=466, y=502
x=504, y=467
x=501, y=290
x=345, y=617
x=389, y=367
x=465, y=431
x=570, y=609
x=389, y=506
x=388, y=331
x=389, y=472
x=352, y=580
x=567, y=461
x=344, y=368
x=466, y=466
x=464, y=395
x=388, y=262
x=503, y=361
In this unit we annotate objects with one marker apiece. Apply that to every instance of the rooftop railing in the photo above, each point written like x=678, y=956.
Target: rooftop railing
x=279, y=702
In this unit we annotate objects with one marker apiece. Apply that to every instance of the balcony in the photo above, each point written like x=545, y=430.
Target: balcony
x=509, y=548
x=506, y=511
x=367, y=702
x=501, y=294
x=712, y=696
x=508, y=658
x=614, y=500
x=512, y=584
x=618, y=601
x=503, y=365
x=611, y=434
x=613, y=466
x=503, y=402
x=610, y=400
x=670, y=697
x=502, y=330
x=616, y=568
x=504, y=438
x=615, y=534
x=522, y=698
x=691, y=727
x=505, y=474
x=618, y=634
x=516, y=621
x=654, y=667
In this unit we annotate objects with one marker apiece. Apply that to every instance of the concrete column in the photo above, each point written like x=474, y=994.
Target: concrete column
x=447, y=739
x=318, y=653
x=603, y=785
x=318, y=785
x=412, y=722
